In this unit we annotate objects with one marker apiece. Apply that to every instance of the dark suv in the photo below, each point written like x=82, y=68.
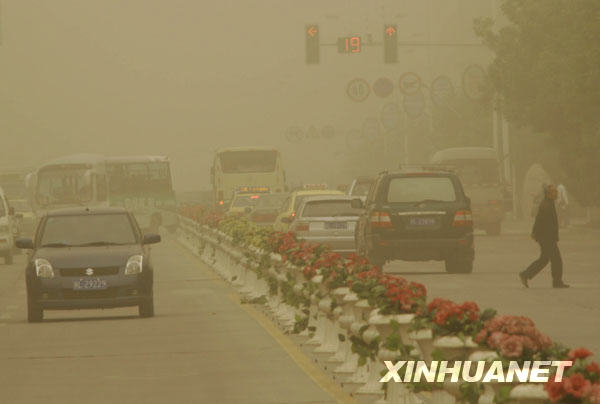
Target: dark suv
x=417, y=214
x=88, y=258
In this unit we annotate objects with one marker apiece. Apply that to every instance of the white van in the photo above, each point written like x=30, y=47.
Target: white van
x=7, y=224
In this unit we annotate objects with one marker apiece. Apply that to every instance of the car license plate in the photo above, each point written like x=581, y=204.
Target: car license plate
x=89, y=284
x=336, y=225
x=422, y=221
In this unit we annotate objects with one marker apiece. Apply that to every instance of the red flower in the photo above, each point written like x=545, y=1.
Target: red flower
x=594, y=394
x=593, y=368
x=580, y=353
x=554, y=389
x=495, y=339
x=577, y=385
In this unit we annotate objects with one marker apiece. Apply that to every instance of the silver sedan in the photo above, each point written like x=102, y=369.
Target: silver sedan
x=329, y=220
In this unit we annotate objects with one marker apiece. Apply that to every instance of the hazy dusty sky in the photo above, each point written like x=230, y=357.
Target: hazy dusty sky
x=183, y=77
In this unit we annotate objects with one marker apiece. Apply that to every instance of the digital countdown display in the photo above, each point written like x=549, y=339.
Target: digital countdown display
x=349, y=44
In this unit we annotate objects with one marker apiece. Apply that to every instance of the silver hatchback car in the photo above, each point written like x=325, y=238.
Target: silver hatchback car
x=327, y=219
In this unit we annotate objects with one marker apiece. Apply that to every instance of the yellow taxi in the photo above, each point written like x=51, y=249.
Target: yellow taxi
x=287, y=212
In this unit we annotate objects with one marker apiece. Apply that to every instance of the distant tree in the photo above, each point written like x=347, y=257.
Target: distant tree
x=546, y=73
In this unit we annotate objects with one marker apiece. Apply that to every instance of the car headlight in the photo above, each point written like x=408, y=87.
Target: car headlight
x=134, y=265
x=43, y=269
x=3, y=228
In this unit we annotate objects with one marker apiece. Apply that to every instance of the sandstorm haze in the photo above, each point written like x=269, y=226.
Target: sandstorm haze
x=182, y=78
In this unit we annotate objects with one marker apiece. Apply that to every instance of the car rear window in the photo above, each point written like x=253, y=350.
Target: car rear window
x=329, y=208
x=271, y=201
x=81, y=230
x=421, y=188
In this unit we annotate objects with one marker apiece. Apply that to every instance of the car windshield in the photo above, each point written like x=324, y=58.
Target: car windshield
x=245, y=200
x=420, y=189
x=81, y=230
x=329, y=209
x=273, y=201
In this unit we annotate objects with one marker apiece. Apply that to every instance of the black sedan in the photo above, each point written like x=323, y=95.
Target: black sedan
x=88, y=258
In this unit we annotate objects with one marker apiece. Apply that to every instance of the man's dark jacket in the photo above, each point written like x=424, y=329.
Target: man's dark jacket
x=545, y=228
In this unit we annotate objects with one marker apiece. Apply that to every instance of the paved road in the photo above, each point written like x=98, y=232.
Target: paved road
x=570, y=316
x=202, y=347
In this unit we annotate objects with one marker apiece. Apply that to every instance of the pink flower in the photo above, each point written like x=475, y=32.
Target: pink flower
x=594, y=394
x=512, y=347
x=495, y=339
x=481, y=336
x=577, y=385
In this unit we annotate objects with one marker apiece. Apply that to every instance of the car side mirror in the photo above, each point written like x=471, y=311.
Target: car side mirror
x=357, y=203
x=151, y=238
x=24, y=243
x=286, y=219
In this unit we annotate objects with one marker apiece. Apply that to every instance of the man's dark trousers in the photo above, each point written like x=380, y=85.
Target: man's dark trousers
x=549, y=252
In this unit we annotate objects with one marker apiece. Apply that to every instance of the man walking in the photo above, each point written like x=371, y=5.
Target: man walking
x=545, y=232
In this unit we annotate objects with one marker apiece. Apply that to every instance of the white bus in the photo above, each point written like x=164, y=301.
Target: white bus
x=143, y=185
x=246, y=169
x=76, y=180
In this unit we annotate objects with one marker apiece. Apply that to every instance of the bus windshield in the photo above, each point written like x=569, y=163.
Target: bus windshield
x=64, y=185
x=476, y=171
x=139, y=178
x=249, y=161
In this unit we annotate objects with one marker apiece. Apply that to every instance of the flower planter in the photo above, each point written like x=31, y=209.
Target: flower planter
x=424, y=340
x=453, y=348
x=528, y=393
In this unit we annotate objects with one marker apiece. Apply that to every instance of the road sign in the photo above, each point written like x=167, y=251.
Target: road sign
x=472, y=82
x=328, y=132
x=391, y=117
x=311, y=34
x=442, y=91
x=410, y=83
x=294, y=134
x=383, y=87
x=371, y=128
x=358, y=90
x=354, y=140
x=414, y=104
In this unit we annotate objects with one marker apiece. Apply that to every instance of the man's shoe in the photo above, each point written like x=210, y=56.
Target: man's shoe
x=560, y=285
x=523, y=279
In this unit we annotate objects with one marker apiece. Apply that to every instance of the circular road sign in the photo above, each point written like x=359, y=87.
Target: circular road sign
x=409, y=83
x=442, y=91
x=370, y=128
x=391, y=118
x=354, y=140
x=472, y=82
x=414, y=104
x=328, y=132
x=358, y=90
x=294, y=134
x=383, y=87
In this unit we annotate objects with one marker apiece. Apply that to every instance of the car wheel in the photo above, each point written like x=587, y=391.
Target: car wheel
x=459, y=266
x=35, y=313
x=8, y=258
x=493, y=229
x=146, y=308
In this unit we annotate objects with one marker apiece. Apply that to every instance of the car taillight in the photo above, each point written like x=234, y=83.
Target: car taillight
x=293, y=214
x=301, y=226
x=221, y=203
x=493, y=202
x=380, y=220
x=462, y=218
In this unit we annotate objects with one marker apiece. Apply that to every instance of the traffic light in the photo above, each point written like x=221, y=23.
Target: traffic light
x=390, y=43
x=311, y=33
